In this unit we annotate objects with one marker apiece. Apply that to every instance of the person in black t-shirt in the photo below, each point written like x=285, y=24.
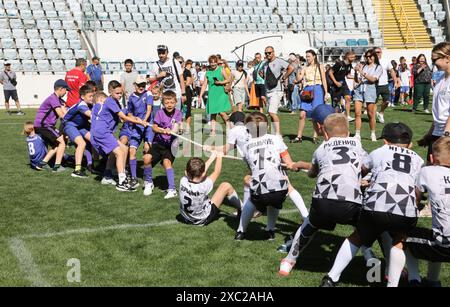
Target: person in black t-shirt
x=189, y=83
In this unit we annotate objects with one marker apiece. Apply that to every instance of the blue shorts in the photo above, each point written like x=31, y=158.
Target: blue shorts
x=104, y=144
x=136, y=136
x=404, y=89
x=365, y=93
x=125, y=131
x=149, y=134
x=73, y=132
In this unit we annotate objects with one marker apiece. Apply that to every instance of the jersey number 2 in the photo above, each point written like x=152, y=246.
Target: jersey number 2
x=187, y=204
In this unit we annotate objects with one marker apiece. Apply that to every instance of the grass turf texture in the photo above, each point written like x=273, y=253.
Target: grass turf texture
x=162, y=255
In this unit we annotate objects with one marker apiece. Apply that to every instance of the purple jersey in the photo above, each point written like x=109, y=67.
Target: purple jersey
x=46, y=115
x=165, y=120
x=106, y=118
x=75, y=116
x=137, y=104
x=36, y=149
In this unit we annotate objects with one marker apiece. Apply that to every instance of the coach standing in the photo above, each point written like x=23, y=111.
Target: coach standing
x=95, y=73
x=9, y=82
x=76, y=78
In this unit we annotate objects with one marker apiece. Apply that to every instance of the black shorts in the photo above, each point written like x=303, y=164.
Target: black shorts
x=49, y=135
x=434, y=138
x=10, y=94
x=383, y=90
x=422, y=245
x=188, y=104
x=273, y=199
x=372, y=224
x=160, y=152
x=213, y=215
x=260, y=90
x=326, y=213
x=337, y=93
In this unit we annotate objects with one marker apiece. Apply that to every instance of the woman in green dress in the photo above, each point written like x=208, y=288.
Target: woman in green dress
x=218, y=101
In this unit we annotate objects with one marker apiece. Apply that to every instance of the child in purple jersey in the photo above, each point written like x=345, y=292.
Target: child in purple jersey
x=166, y=122
x=76, y=127
x=148, y=140
x=102, y=135
x=139, y=105
x=37, y=150
x=45, y=122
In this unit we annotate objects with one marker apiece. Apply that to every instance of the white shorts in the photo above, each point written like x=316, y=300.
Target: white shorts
x=273, y=101
x=238, y=95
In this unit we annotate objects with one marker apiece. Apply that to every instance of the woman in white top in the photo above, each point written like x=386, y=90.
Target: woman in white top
x=440, y=56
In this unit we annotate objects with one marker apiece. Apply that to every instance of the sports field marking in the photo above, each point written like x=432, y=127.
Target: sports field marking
x=26, y=263
x=11, y=123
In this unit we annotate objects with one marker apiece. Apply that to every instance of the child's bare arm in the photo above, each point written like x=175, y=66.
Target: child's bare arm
x=217, y=168
x=210, y=160
x=418, y=196
x=132, y=119
x=147, y=114
x=313, y=171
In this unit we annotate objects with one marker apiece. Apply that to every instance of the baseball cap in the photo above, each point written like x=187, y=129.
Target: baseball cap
x=321, y=112
x=237, y=117
x=176, y=54
x=140, y=79
x=7, y=64
x=397, y=133
x=239, y=63
x=95, y=58
x=162, y=47
x=61, y=84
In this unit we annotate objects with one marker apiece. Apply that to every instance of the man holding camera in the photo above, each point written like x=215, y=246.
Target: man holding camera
x=9, y=82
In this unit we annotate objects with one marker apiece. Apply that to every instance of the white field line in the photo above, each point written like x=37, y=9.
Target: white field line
x=26, y=263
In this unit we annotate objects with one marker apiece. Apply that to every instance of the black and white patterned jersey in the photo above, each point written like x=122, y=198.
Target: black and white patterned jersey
x=238, y=136
x=263, y=158
x=436, y=181
x=195, y=205
x=339, y=161
x=392, y=189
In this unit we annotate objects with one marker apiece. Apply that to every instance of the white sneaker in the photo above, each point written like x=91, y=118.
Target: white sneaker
x=426, y=111
x=286, y=267
x=148, y=188
x=373, y=137
x=171, y=194
x=380, y=118
x=358, y=136
x=350, y=119
x=106, y=181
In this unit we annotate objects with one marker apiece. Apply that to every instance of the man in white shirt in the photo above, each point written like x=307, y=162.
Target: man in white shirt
x=383, y=84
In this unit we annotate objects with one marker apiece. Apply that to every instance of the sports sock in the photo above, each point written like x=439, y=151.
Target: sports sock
x=343, y=258
x=148, y=174
x=88, y=156
x=170, y=178
x=396, y=265
x=385, y=241
x=235, y=201
x=434, y=270
x=108, y=173
x=56, y=166
x=367, y=253
x=272, y=216
x=302, y=238
x=412, y=263
x=78, y=167
x=247, y=214
x=299, y=203
x=246, y=194
x=122, y=177
x=133, y=168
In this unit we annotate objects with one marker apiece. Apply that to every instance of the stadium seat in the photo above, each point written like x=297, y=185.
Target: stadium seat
x=43, y=65
x=72, y=34
x=220, y=27
x=35, y=5
x=142, y=26
x=35, y=43
x=193, y=19
x=51, y=14
x=58, y=66
x=55, y=24
x=53, y=54
x=125, y=17
x=254, y=19
x=363, y=42
x=119, y=26
x=67, y=54
x=22, y=43
x=38, y=14
x=224, y=19
x=188, y=27
x=177, y=27
x=62, y=43
x=42, y=24
x=80, y=54
x=68, y=25
x=10, y=54
x=197, y=10
x=203, y=18
x=176, y=9
x=15, y=24
x=199, y=27
x=7, y=43
x=239, y=11
x=352, y=42
x=28, y=65
x=18, y=33
x=241, y=27
x=214, y=19
x=49, y=43
x=231, y=27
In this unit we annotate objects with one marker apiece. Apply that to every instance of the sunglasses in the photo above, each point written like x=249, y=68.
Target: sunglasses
x=141, y=85
x=268, y=53
x=161, y=51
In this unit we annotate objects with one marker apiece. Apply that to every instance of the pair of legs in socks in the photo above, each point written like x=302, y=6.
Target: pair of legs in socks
x=119, y=156
x=226, y=193
x=82, y=150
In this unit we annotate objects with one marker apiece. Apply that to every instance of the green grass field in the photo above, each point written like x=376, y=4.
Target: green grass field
x=126, y=239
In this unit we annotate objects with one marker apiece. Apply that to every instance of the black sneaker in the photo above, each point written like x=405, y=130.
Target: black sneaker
x=327, y=282
x=79, y=174
x=91, y=170
x=240, y=236
x=125, y=187
x=270, y=235
x=134, y=183
x=415, y=283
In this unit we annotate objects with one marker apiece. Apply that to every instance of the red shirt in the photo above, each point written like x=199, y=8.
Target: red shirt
x=75, y=79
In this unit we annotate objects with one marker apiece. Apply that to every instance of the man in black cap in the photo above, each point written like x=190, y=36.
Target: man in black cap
x=95, y=72
x=169, y=74
x=8, y=80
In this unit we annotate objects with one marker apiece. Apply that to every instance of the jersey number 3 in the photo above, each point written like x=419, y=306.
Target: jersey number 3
x=343, y=153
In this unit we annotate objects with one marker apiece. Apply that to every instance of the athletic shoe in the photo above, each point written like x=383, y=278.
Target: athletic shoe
x=257, y=214
x=380, y=118
x=373, y=137
x=148, y=188
x=59, y=169
x=286, y=246
x=415, y=283
x=270, y=235
x=20, y=113
x=171, y=194
x=350, y=119
x=125, y=187
x=8, y=112
x=134, y=183
x=240, y=236
x=426, y=111
x=106, y=181
x=286, y=267
x=358, y=136
x=327, y=282
x=79, y=174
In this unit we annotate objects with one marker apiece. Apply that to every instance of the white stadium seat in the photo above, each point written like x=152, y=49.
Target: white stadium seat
x=22, y=43
x=58, y=66
x=49, y=43
x=28, y=65
x=8, y=43
x=62, y=43
x=67, y=54
x=10, y=54
x=25, y=54
x=35, y=43
x=43, y=65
